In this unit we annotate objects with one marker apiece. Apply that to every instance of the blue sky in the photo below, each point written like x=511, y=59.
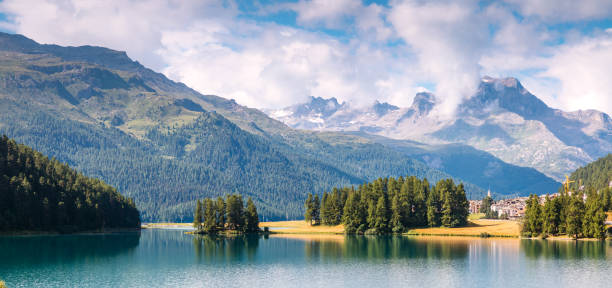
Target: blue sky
x=269, y=54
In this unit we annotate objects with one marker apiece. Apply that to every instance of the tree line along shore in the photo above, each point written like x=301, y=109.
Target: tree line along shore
x=390, y=205
x=38, y=194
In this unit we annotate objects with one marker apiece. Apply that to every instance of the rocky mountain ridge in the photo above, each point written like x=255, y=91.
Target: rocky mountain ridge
x=502, y=118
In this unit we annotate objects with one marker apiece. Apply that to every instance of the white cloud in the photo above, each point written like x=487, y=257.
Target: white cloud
x=448, y=44
x=564, y=10
x=276, y=66
x=338, y=14
x=448, y=38
x=584, y=70
x=133, y=26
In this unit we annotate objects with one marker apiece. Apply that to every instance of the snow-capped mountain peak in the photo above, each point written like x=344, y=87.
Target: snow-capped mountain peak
x=502, y=118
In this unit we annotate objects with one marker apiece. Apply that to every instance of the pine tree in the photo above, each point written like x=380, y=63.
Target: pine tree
x=197, y=217
x=462, y=208
x=593, y=224
x=575, y=214
x=353, y=214
x=433, y=208
x=210, y=213
x=380, y=222
x=325, y=213
x=396, y=217
x=308, y=206
x=551, y=214
x=533, y=216
x=447, y=211
x=220, y=212
x=316, y=210
x=251, y=218
x=371, y=213
x=234, y=212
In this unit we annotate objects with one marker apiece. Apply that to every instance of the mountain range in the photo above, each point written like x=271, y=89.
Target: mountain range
x=502, y=118
x=166, y=145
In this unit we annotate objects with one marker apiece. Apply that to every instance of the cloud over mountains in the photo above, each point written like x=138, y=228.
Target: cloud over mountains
x=276, y=54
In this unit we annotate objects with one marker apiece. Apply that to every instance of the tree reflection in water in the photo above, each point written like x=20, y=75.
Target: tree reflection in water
x=211, y=248
x=562, y=249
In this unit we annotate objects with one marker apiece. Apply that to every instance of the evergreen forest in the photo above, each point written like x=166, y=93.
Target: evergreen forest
x=597, y=174
x=568, y=213
x=390, y=205
x=42, y=194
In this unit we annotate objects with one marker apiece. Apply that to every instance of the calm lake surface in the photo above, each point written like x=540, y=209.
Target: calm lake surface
x=169, y=258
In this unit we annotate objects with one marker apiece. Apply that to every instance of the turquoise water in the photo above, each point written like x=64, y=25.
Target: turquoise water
x=169, y=258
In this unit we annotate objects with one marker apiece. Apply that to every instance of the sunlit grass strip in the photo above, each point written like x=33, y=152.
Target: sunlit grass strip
x=301, y=227
x=476, y=228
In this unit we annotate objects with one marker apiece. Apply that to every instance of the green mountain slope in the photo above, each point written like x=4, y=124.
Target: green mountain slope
x=597, y=174
x=38, y=194
x=166, y=145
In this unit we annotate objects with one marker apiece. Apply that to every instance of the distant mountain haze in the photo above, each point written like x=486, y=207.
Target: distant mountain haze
x=501, y=118
x=166, y=145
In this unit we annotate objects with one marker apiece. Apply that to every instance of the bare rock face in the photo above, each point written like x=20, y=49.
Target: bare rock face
x=502, y=118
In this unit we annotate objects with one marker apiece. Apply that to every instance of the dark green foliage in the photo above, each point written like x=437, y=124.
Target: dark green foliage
x=593, y=223
x=234, y=212
x=566, y=214
x=229, y=215
x=552, y=216
x=455, y=207
x=316, y=210
x=395, y=205
x=40, y=194
x=209, y=225
x=575, y=215
x=309, y=209
x=198, y=215
x=597, y=174
x=251, y=218
x=532, y=224
x=332, y=206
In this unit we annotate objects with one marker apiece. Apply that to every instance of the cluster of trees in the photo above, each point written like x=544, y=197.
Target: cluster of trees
x=389, y=205
x=212, y=216
x=40, y=194
x=567, y=214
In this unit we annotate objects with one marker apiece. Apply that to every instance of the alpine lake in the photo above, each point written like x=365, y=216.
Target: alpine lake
x=171, y=258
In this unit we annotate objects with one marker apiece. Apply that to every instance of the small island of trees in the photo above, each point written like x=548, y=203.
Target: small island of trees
x=229, y=215
x=389, y=205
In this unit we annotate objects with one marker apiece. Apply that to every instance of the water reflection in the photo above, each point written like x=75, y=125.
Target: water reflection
x=559, y=249
x=212, y=248
x=64, y=249
x=386, y=247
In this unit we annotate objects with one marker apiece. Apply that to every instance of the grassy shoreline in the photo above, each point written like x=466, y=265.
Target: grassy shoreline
x=476, y=228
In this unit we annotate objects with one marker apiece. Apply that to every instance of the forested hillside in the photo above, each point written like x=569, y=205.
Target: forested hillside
x=39, y=194
x=166, y=145
x=597, y=174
